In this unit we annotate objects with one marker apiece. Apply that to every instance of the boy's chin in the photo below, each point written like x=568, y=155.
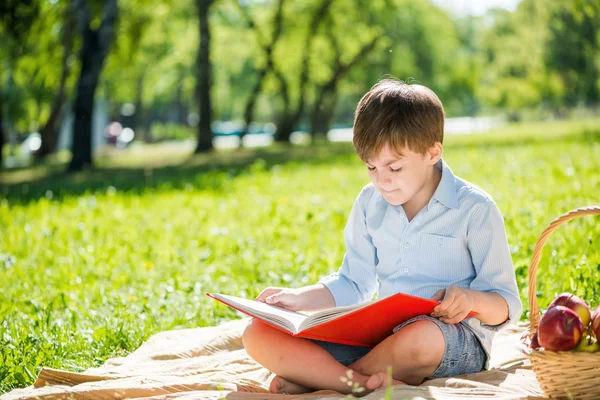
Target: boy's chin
x=393, y=199
x=395, y=203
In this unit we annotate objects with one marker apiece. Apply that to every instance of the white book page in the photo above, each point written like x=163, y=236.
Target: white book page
x=330, y=314
x=267, y=311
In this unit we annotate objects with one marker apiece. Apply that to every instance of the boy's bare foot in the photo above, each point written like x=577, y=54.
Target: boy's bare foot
x=280, y=385
x=380, y=379
x=375, y=381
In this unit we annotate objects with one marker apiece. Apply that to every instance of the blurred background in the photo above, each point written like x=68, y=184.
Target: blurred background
x=156, y=150
x=91, y=78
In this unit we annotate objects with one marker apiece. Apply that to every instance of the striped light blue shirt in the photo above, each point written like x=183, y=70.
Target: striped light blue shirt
x=457, y=239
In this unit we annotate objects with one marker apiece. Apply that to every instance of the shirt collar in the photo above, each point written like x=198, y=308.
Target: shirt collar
x=445, y=192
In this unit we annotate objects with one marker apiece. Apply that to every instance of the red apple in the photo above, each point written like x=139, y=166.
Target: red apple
x=560, y=329
x=596, y=322
x=574, y=303
x=535, y=344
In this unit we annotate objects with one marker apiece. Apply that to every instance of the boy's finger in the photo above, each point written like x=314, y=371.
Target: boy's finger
x=454, y=313
x=265, y=293
x=439, y=295
x=261, y=297
x=281, y=301
x=456, y=319
x=452, y=310
x=272, y=299
x=277, y=298
x=443, y=306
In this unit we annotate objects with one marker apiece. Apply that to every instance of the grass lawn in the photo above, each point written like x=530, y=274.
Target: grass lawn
x=93, y=264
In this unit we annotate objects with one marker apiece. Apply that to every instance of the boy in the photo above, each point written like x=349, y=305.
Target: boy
x=416, y=229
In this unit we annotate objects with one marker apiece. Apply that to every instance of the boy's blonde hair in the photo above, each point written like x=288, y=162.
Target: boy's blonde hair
x=399, y=115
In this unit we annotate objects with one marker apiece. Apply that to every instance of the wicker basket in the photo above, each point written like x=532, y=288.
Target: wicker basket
x=564, y=374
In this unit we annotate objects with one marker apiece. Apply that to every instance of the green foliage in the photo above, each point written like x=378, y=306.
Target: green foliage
x=156, y=43
x=16, y=18
x=93, y=264
x=543, y=56
x=513, y=60
x=573, y=48
x=30, y=64
x=172, y=132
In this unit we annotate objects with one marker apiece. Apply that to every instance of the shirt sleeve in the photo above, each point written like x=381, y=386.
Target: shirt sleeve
x=490, y=254
x=356, y=280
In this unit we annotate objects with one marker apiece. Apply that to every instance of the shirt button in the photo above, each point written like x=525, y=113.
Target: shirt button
x=405, y=269
x=406, y=245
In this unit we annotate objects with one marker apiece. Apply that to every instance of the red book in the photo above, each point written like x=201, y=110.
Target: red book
x=365, y=324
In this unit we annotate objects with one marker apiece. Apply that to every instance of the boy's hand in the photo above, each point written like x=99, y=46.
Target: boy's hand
x=290, y=299
x=455, y=304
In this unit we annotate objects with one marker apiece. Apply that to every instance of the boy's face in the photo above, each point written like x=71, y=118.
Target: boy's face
x=400, y=178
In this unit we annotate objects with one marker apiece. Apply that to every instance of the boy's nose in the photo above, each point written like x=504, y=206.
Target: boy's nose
x=383, y=179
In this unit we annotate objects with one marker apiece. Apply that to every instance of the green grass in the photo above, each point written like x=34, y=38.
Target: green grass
x=92, y=264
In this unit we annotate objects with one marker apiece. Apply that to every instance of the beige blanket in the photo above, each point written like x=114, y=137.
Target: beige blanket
x=210, y=363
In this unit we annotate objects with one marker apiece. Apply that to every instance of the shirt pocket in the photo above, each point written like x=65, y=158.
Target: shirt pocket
x=443, y=257
x=429, y=240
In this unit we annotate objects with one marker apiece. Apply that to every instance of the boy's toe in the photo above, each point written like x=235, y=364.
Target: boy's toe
x=375, y=381
x=280, y=385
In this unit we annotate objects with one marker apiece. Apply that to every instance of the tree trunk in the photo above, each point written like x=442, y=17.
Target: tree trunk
x=49, y=133
x=204, y=79
x=268, y=67
x=318, y=112
x=2, y=138
x=291, y=118
x=11, y=133
x=285, y=127
x=328, y=112
x=146, y=124
x=249, y=111
x=323, y=111
x=319, y=15
x=95, y=46
x=178, y=115
x=143, y=116
x=137, y=120
x=327, y=93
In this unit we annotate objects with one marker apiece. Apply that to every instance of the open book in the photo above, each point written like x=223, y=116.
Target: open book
x=364, y=324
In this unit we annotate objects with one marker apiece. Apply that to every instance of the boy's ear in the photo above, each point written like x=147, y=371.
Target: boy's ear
x=434, y=153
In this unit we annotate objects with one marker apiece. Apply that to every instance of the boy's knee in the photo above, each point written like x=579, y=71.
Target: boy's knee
x=252, y=334
x=424, y=345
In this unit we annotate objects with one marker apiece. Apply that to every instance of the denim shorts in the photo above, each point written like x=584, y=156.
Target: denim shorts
x=463, y=355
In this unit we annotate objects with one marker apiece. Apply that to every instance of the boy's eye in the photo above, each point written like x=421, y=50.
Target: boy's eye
x=391, y=169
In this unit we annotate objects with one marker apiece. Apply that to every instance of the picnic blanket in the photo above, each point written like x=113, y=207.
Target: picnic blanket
x=211, y=363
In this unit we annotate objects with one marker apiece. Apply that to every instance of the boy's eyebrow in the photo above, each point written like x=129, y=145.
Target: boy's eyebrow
x=389, y=162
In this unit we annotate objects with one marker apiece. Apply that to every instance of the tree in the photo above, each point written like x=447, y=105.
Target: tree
x=49, y=132
x=94, y=49
x=204, y=78
x=16, y=18
x=514, y=76
x=326, y=98
x=2, y=140
x=152, y=64
x=267, y=48
x=572, y=49
x=347, y=51
x=291, y=116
